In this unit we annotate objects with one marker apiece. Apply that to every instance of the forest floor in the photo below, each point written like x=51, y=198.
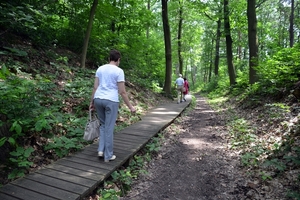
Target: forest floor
x=195, y=162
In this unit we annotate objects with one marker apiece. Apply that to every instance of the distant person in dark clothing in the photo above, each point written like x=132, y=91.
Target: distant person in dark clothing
x=186, y=88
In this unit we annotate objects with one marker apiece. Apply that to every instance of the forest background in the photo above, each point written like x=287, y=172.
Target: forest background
x=246, y=51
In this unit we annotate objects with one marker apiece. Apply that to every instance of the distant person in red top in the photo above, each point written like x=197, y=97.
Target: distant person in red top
x=186, y=87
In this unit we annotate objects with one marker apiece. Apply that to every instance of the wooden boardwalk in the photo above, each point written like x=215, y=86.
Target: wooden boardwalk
x=76, y=176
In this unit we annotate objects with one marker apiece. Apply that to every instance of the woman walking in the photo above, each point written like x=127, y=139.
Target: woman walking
x=109, y=82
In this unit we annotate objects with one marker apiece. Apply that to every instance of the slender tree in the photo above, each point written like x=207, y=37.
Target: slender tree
x=291, y=30
x=210, y=63
x=88, y=33
x=231, y=69
x=252, y=40
x=148, y=25
x=217, y=48
x=218, y=16
x=179, y=37
x=168, y=49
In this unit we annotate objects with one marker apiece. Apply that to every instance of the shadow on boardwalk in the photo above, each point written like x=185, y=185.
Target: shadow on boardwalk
x=76, y=176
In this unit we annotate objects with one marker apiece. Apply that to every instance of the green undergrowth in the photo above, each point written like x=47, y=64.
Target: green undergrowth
x=120, y=181
x=44, y=111
x=265, y=132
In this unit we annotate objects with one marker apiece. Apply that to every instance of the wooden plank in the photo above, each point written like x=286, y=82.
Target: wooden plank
x=137, y=133
x=126, y=148
x=128, y=145
x=94, y=163
x=94, y=154
x=157, y=122
x=68, y=186
x=81, y=166
x=142, y=127
x=45, y=189
x=87, y=154
x=81, y=173
x=132, y=137
x=134, y=133
x=92, y=147
x=118, y=145
x=116, y=142
x=122, y=154
x=22, y=193
x=7, y=197
x=67, y=177
x=133, y=143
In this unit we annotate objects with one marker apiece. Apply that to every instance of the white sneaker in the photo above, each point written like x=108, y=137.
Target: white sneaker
x=111, y=159
x=100, y=153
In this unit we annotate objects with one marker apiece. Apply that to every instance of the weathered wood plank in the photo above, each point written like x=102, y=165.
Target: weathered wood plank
x=93, y=152
x=81, y=166
x=142, y=127
x=128, y=146
x=45, y=189
x=23, y=194
x=124, y=148
x=130, y=139
x=129, y=143
x=68, y=177
x=120, y=155
x=125, y=135
x=81, y=173
x=52, y=181
x=7, y=197
x=137, y=133
x=96, y=162
x=92, y=147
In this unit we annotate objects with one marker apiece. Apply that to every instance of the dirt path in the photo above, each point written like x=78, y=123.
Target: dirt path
x=193, y=164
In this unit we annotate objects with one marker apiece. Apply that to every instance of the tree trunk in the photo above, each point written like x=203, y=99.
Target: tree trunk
x=148, y=27
x=252, y=40
x=231, y=69
x=179, y=38
x=88, y=33
x=291, y=30
x=210, y=63
x=168, y=50
x=217, y=56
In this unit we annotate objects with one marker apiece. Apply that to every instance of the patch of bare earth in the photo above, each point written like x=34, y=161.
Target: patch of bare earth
x=194, y=162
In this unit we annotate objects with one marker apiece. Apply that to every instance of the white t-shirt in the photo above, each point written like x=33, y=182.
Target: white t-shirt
x=179, y=81
x=109, y=76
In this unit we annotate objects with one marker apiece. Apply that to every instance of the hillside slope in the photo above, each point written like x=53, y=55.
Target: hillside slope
x=45, y=99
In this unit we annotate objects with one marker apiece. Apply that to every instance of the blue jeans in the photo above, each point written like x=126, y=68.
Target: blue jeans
x=107, y=112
